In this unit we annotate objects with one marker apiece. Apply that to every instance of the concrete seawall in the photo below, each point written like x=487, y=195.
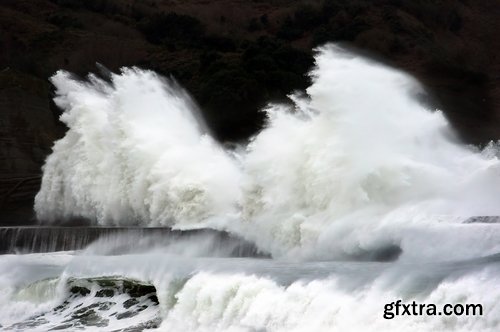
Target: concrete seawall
x=36, y=239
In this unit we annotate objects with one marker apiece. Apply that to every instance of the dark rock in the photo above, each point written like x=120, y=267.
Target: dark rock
x=130, y=302
x=89, y=317
x=103, y=306
x=126, y=314
x=105, y=293
x=61, y=327
x=154, y=299
x=79, y=290
x=135, y=289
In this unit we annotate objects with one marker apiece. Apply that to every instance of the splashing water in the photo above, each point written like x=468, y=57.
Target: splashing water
x=355, y=164
x=354, y=171
x=134, y=151
x=358, y=162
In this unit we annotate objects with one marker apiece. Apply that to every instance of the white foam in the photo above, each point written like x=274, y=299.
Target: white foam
x=355, y=164
x=206, y=294
x=134, y=151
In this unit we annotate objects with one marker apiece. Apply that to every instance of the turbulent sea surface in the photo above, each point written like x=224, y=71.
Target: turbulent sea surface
x=355, y=194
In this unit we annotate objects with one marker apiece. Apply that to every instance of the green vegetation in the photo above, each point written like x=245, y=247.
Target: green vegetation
x=235, y=59
x=172, y=29
x=233, y=64
x=240, y=79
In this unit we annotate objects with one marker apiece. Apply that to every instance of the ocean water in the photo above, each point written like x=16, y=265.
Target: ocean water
x=357, y=193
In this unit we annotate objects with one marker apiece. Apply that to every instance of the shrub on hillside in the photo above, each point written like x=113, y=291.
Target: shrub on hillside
x=172, y=28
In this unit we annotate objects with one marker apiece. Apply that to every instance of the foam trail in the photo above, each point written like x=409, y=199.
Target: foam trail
x=134, y=152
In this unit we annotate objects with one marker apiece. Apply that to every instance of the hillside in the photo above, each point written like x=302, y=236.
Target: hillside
x=233, y=56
